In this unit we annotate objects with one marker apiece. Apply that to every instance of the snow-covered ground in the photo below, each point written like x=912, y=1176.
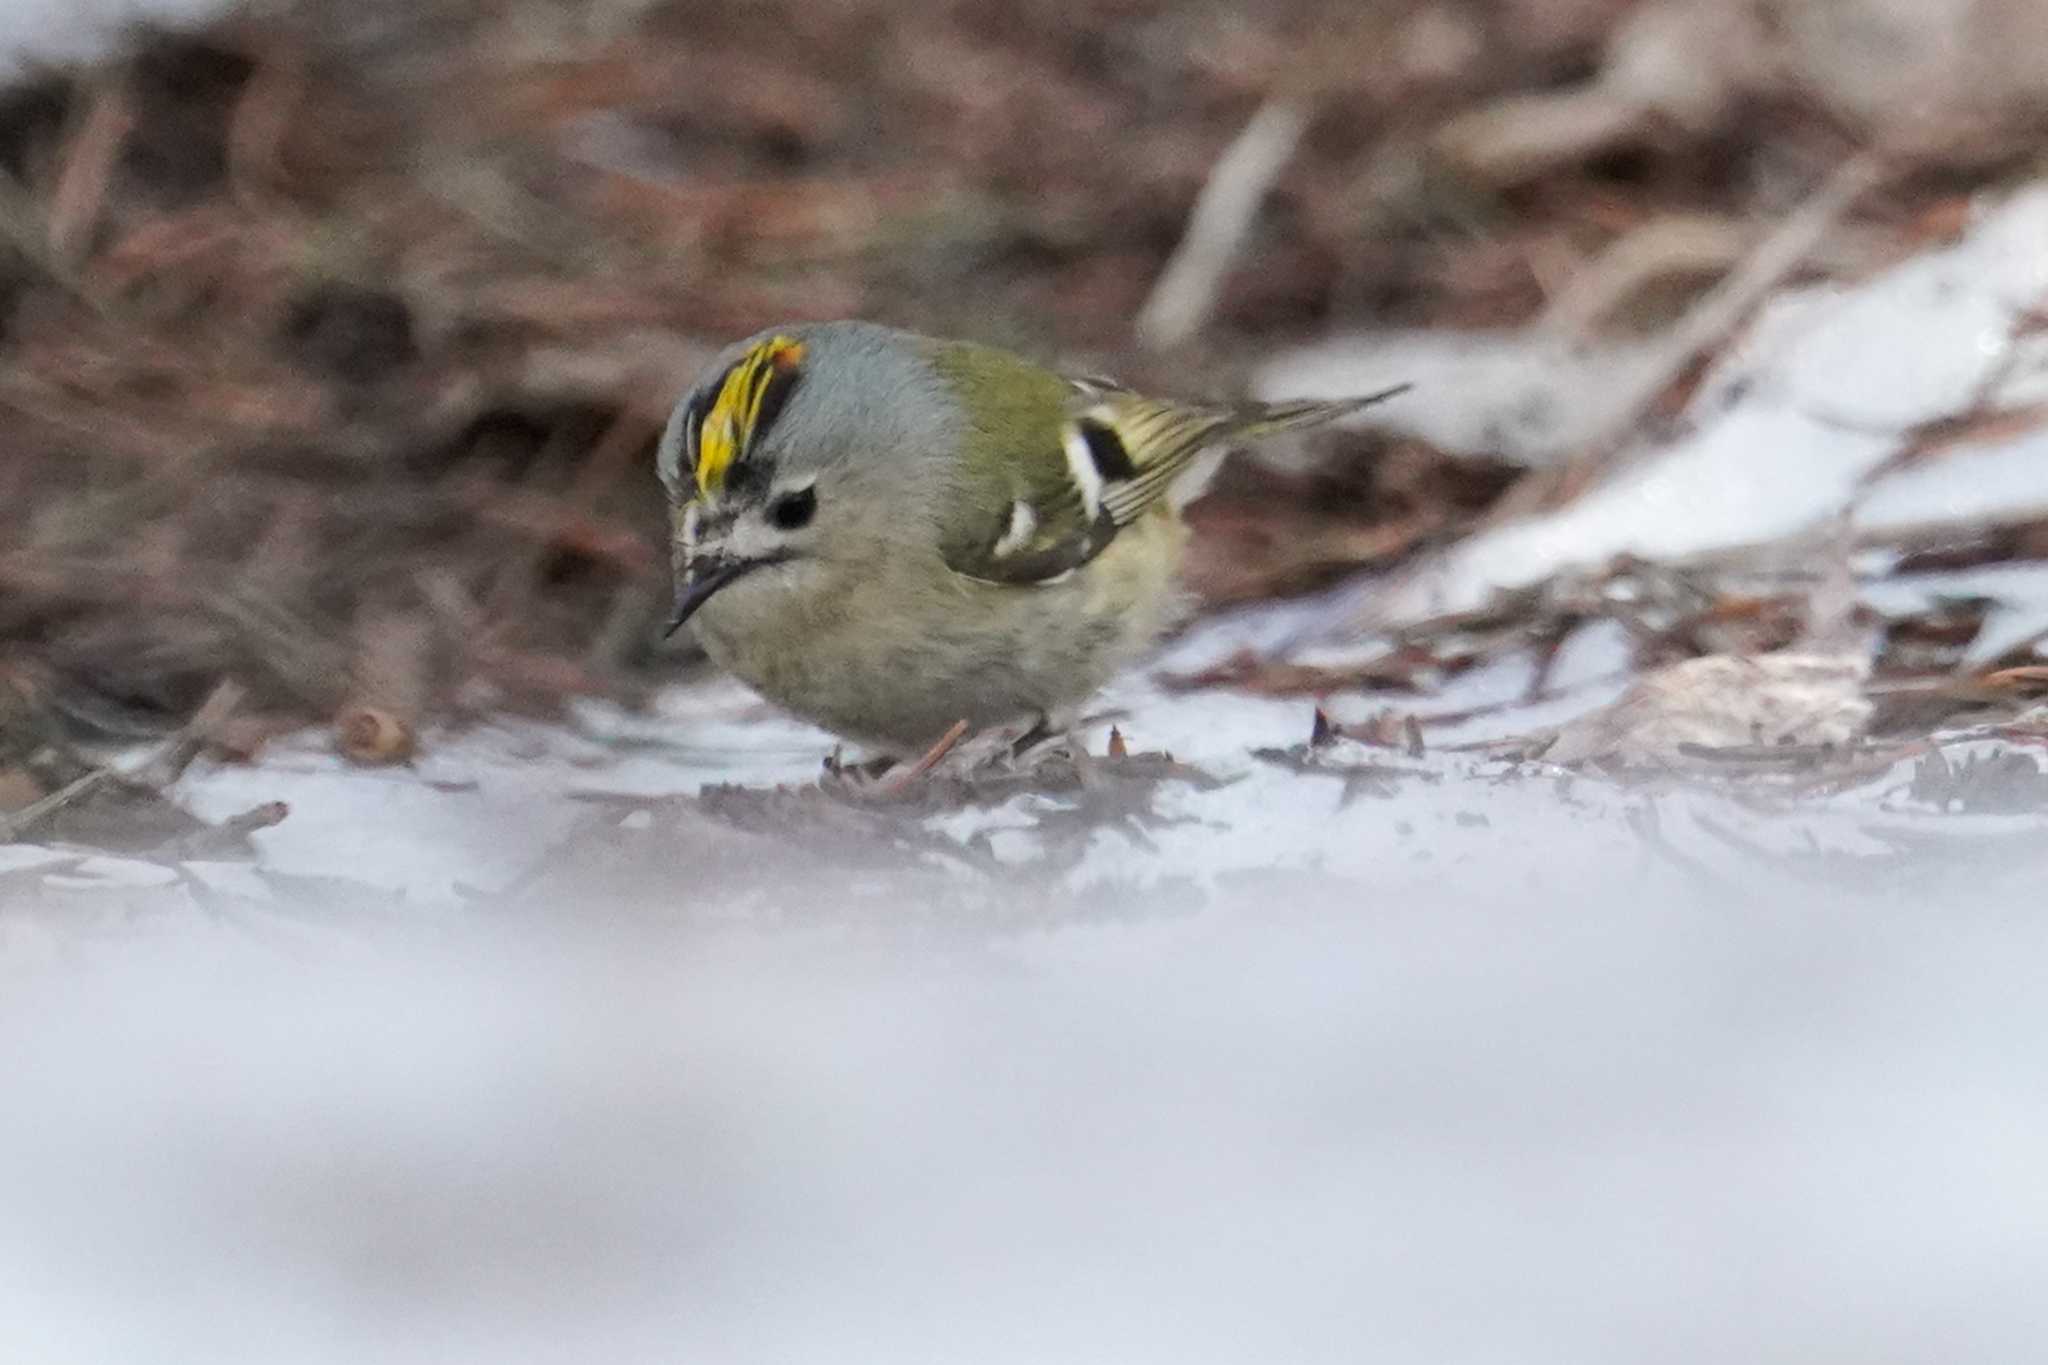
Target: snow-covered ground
x=1483, y=1068
x=1612, y=1114
x=1792, y=431
x=1466, y=1062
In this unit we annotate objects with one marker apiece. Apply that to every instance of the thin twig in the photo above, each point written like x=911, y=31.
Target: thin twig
x=169, y=763
x=159, y=771
x=225, y=838
x=261, y=121
x=1608, y=441
x=1676, y=244
x=1223, y=214
x=89, y=160
x=1710, y=321
x=12, y=827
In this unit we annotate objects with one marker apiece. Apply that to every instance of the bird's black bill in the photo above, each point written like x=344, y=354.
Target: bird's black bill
x=702, y=584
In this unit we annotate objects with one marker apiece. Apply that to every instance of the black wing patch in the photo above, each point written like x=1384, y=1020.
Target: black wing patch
x=1120, y=456
x=1106, y=450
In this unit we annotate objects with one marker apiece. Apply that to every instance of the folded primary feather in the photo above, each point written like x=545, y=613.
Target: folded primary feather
x=1070, y=462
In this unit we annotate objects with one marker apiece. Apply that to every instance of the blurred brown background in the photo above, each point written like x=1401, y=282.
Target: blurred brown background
x=334, y=340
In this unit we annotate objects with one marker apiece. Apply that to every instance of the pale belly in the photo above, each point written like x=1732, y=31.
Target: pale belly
x=896, y=659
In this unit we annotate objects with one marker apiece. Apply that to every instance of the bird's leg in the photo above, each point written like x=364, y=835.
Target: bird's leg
x=900, y=781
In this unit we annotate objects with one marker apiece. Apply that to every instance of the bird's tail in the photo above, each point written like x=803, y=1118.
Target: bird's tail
x=1258, y=420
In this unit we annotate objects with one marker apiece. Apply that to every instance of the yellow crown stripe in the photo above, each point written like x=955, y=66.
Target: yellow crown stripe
x=736, y=412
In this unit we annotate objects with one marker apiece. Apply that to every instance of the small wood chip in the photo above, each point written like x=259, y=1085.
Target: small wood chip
x=371, y=735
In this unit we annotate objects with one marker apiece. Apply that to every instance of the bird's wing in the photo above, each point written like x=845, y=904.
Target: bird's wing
x=1077, y=460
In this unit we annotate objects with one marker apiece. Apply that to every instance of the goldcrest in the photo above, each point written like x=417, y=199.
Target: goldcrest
x=886, y=533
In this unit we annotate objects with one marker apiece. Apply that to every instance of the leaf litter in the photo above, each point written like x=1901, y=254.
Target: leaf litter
x=400, y=489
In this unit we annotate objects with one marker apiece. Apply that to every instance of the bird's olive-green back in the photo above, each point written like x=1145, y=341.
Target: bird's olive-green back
x=1015, y=411
x=1016, y=414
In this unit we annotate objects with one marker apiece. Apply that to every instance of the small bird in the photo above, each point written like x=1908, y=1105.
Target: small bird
x=886, y=533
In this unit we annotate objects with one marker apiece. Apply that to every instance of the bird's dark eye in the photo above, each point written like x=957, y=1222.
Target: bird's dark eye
x=793, y=511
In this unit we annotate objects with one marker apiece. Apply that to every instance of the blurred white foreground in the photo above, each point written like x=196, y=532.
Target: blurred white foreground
x=1493, y=1068
x=1622, y=1117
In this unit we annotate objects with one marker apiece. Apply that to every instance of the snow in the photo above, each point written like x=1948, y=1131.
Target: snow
x=96, y=874
x=27, y=857
x=484, y=807
x=2006, y=482
x=1598, y=651
x=2018, y=594
x=1524, y=397
x=1598, y=1116
x=66, y=30
x=1784, y=434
